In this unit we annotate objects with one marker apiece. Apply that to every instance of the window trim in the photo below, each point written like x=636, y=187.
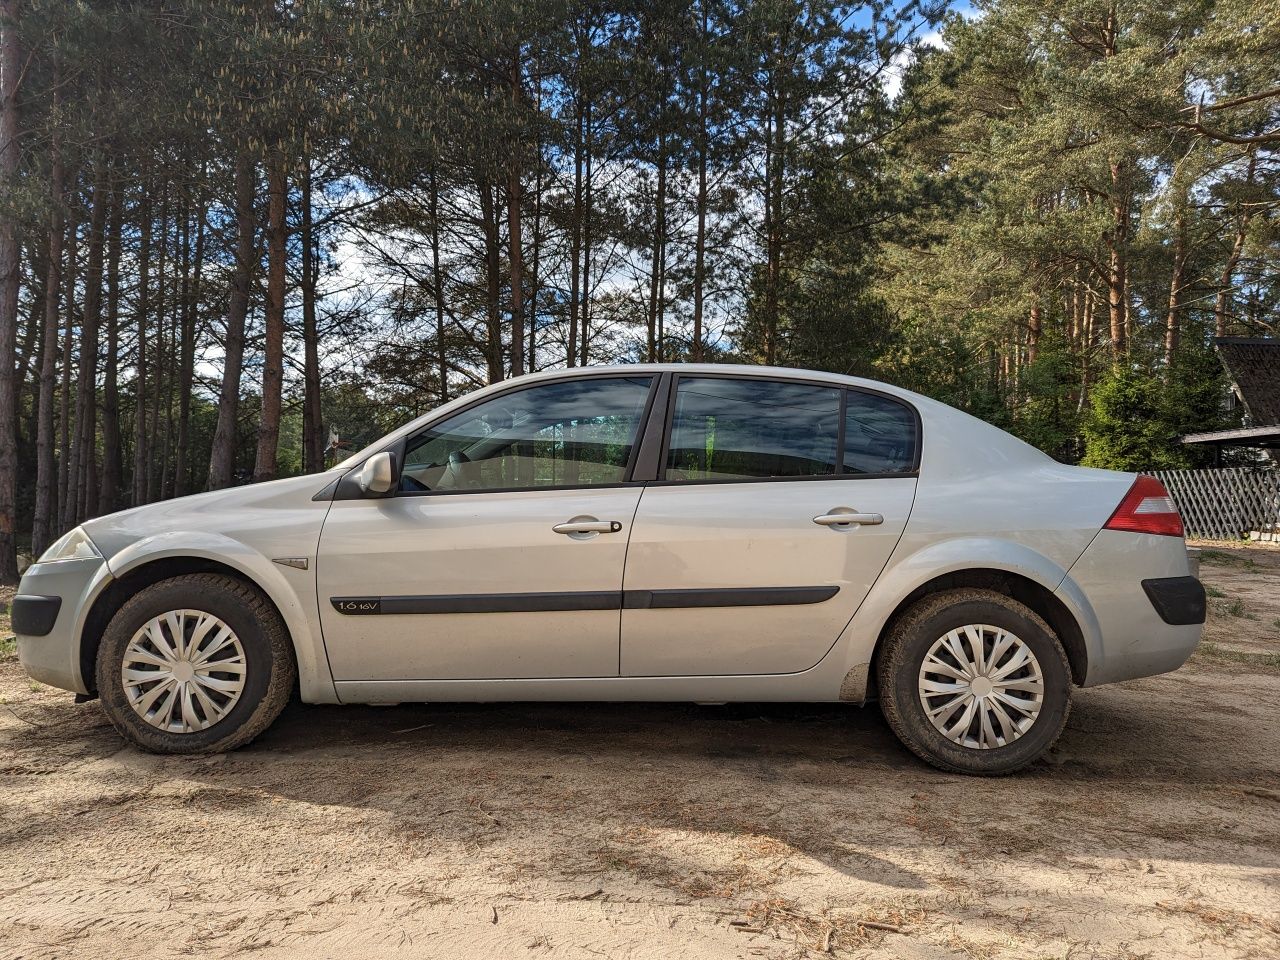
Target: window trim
x=349, y=490
x=655, y=432
x=840, y=473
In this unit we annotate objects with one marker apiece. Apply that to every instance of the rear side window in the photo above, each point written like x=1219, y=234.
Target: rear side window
x=725, y=429
x=879, y=435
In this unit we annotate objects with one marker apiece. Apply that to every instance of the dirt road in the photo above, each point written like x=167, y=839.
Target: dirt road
x=662, y=831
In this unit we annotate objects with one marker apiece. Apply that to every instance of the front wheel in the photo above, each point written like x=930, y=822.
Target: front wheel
x=972, y=681
x=195, y=664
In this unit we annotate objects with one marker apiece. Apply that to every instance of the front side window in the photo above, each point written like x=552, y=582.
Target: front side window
x=727, y=429
x=561, y=434
x=879, y=435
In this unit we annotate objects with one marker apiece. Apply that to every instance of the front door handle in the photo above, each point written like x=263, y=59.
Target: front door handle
x=587, y=525
x=843, y=517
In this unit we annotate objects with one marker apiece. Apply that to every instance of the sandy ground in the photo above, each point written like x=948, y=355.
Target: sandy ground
x=1153, y=830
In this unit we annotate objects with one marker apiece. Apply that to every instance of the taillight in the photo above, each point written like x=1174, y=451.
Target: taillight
x=1147, y=508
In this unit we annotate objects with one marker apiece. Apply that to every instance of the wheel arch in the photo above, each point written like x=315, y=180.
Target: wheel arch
x=146, y=563
x=119, y=589
x=1027, y=591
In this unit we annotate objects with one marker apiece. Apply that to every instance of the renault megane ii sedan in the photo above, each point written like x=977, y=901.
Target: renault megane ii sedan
x=668, y=532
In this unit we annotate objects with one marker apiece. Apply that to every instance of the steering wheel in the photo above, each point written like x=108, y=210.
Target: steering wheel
x=453, y=471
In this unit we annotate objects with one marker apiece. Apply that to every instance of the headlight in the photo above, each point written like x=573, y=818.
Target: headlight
x=74, y=545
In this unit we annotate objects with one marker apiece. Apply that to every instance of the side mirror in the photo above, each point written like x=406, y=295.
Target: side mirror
x=377, y=477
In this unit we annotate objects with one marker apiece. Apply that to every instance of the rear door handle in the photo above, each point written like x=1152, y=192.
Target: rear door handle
x=570, y=527
x=835, y=519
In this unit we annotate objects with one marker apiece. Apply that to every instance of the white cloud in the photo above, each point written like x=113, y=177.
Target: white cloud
x=903, y=59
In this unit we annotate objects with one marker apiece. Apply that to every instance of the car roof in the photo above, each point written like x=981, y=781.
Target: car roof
x=719, y=369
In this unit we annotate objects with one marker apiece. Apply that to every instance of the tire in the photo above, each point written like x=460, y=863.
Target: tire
x=974, y=749
x=256, y=665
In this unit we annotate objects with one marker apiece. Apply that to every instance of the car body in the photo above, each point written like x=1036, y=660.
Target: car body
x=645, y=532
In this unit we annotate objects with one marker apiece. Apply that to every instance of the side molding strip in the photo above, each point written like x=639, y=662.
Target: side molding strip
x=583, y=600
x=729, y=597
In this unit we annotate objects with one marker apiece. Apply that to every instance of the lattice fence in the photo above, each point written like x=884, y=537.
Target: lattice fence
x=1229, y=503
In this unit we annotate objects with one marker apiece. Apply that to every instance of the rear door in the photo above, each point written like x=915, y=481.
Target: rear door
x=741, y=560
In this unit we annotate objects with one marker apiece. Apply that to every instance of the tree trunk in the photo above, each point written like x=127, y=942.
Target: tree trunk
x=700, y=244
x=165, y=405
x=515, y=237
x=46, y=468
x=313, y=439
x=27, y=360
x=112, y=461
x=587, y=215
x=437, y=279
x=1222, y=302
x=658, y=266
x=575, y=239
x=68, y=342
x=84, y=442
x=1117, y=261
x=774, y=174
x=156, y=460
x=1035, y=327
x=273, y=347
x=516, y=241
x=1089, y=337
x=223, y=456
x=493, y=280
x=11, y=66
x=187, y=358
x=1177, y=281
x=141, y=318
x=535, y=271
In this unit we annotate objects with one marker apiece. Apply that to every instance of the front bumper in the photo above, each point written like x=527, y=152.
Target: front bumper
x=49, y=615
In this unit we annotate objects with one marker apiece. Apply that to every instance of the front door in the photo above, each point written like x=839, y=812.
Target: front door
x=501, y=555
x=779, y=505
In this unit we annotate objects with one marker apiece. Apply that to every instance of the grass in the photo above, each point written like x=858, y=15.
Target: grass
x=1236, y=608
x=1215, y=651
x=1214, y=592
x=1227, y=559
x=8, y=648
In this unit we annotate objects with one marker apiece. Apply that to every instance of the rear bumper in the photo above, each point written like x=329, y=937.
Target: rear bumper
x=1147, y=611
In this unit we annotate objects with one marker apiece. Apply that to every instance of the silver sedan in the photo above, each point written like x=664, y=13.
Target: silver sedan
x=697, y=533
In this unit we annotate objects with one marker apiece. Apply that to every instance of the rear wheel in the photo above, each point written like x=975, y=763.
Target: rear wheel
x=195, y=664
x=972, y=681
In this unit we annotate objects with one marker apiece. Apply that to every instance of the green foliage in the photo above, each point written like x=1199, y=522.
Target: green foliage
x=1134, y=423
x=1046, y=224
x=1045, y=415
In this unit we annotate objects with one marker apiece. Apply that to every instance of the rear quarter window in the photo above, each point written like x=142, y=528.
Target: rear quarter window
x=881, y=435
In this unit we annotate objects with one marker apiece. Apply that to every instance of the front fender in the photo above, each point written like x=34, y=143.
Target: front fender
x=290, y=589
x=905, y=574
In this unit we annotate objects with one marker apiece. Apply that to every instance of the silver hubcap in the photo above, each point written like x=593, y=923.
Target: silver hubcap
x=981, y=686
x=183, y=671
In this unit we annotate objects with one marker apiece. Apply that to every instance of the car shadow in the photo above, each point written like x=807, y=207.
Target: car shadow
x=591, y=781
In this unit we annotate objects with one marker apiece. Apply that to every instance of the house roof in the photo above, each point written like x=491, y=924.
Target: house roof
x=1253, y=363
x=1245, y=437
